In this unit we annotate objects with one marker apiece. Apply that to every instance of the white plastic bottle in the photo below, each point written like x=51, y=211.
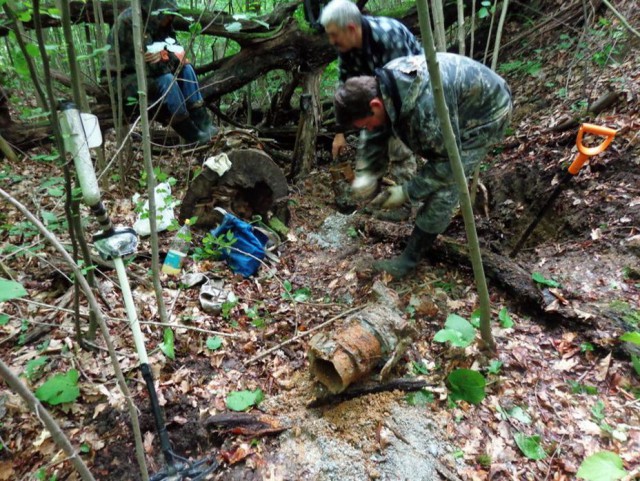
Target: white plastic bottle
x=178, y=251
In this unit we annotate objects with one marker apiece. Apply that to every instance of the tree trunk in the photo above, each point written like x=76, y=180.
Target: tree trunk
x=304, y=152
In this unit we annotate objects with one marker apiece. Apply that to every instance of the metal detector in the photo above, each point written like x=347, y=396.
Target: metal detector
x=81, y=132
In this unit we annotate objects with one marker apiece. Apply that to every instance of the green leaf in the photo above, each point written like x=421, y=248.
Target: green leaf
x=278, y=226
x=602, y=466
x=505, y=318
x=25, y=15
x=633, y=337
x=214, y=343
x=302, y=295
x=494, y=366
x=419, y=368
x=597, y=410
x=195, y=28
x=11, y=290
x=48, y=217
x=457, y=331
x=474, y=319
x=467, y=385
x=242, y=400
x=61, y=388
x=577, y=388
x=635, y=362
x=540, y=279
x=516, y=412
x=419, y=398
x=20, y=64
x=167, y=345
x=530, y=446
x=4, y=319
x=33, y=50
x=34, y=366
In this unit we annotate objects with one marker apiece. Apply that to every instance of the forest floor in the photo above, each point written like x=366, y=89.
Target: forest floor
x=570, y=384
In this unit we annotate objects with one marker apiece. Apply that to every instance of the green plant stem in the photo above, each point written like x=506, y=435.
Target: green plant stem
x=49, y=100
x=458, y=171
x=141, y=77
x=496, y=48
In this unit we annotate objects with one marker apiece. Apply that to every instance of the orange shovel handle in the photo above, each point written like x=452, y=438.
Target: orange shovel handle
x=586, y=152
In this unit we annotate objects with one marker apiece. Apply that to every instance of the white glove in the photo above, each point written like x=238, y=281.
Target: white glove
x=391, y=198
x=364, y=185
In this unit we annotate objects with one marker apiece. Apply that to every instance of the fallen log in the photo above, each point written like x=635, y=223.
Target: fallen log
x=601, y=326
x=603, y=102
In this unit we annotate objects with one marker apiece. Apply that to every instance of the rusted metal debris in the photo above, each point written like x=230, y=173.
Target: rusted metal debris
x=374, y=336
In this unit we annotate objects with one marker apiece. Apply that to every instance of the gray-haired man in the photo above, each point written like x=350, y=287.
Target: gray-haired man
x=364, y=44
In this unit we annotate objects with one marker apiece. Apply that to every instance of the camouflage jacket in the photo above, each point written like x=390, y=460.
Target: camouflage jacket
x=476, y=98
x=383, y=39
x=153, y=32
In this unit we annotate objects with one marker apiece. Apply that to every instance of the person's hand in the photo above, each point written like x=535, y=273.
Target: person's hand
x=339, y=143
x=390, y=198
x=364, y=185
x=181, y=57
x=154, y=57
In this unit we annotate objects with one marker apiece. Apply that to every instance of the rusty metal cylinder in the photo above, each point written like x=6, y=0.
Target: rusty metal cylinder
x=351, y=355
x=337, y=359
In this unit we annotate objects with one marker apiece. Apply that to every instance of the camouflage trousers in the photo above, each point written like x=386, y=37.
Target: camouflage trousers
x=435, y=186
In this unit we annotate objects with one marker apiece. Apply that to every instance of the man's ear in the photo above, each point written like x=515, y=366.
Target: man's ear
x=376, y=104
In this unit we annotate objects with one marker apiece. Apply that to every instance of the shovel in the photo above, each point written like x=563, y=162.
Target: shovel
x=583, y=155
x=115, y=244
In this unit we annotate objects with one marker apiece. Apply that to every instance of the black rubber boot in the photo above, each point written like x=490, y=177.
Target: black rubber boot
x=417, y=245
x=201, y=118
x=186, y=129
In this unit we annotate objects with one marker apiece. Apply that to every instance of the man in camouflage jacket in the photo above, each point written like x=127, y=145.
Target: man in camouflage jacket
x=364, y=44
x=399, y=100
x=169, y=75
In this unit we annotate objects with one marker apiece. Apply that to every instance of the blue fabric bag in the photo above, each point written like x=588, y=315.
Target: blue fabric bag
x=248, y=240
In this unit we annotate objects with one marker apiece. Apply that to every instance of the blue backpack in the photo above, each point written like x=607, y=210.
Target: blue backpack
x=249, y=248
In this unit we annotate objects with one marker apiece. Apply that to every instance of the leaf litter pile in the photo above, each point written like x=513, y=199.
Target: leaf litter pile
x=560, y=401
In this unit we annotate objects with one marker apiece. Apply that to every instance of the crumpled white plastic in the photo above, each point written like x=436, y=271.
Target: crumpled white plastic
x=218, y=163
x=164, y=210
x=169, y=43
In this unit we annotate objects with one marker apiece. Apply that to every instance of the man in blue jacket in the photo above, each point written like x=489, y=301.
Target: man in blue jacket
x=399, y=100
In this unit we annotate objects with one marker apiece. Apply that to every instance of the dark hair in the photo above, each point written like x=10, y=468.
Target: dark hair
x=352, y=98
